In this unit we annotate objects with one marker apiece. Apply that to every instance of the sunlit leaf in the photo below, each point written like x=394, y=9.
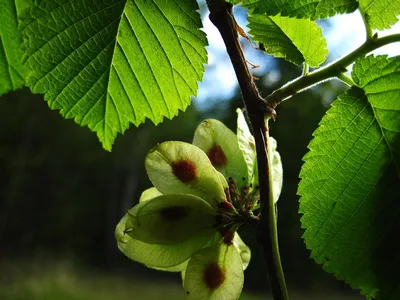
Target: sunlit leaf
x=221, y=146
x=110, y=63
x=214, y=273
x=178, y=167
x=380, y=79
x=296, y=40
x=350, y=183
x=307, y=9
x=160, y=256
x=169, y=219
x=380, y=14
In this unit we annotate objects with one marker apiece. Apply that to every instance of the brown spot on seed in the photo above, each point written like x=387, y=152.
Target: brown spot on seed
x=185, y=170
x=217, y=156
x=214, y=276
x=174, y=213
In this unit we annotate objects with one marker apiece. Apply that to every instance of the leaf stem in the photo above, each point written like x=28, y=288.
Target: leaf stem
x=305, y=69
x=368, y=30
x=267, y=227
x=335, y=69
x=346, y=79
x=221, y=16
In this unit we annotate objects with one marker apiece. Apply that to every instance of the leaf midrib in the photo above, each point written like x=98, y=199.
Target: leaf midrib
x=386, y=141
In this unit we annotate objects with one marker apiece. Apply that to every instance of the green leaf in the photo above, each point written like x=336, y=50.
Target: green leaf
x=169, y=219
x=222, y=148
x=350, y=182
x=160, y=256
x=110, y=63
x=380, y=14
x=12, y=71
x=214, y=272
x=296, y=40
x=234, y=1
x=178, y=167
x=307, y=9
x=379, y=77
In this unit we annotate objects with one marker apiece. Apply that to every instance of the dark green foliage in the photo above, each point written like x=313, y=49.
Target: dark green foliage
x=351, y=182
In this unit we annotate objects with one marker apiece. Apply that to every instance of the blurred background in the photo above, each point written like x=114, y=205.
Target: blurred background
x=61, y=194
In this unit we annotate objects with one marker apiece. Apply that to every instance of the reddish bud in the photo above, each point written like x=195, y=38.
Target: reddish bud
x=173, y=213
x=185, y=170
x=217, y=156
x=214, y=276
x=225, y=206
x=227, y=194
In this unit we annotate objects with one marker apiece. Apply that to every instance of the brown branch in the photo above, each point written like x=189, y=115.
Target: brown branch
x=221, y=16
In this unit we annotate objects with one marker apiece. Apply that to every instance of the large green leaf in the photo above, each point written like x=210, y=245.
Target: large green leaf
x=12, y=71
x=380, y=79
x=296, y=40
x=350, y=184
x=109, y=63
x=380, y=14
x=310, y=9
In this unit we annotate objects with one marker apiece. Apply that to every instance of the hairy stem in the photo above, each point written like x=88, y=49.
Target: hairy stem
x=332, y=70
x=221, y=16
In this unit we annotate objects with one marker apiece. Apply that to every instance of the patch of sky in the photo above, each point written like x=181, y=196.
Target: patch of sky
x=343, y=33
